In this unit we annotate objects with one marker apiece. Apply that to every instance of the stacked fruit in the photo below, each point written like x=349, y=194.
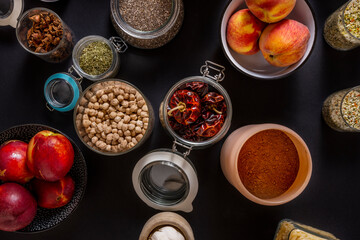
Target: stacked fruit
x=262, y=26
x=48, y=157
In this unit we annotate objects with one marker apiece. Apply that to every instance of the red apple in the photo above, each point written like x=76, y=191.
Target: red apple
x=271, y=11
x=54, y=194
x=13, y=162
x=50, y=155
x=17, y=207
x=284, y=43
x=243, y=32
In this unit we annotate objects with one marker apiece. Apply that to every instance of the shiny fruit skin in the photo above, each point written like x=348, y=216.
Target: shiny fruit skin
x=50, y=155
x=13, y=160
x=17, y=207
x=243, y=32
x=271, y=11
x=284, y=43
x=53, y=194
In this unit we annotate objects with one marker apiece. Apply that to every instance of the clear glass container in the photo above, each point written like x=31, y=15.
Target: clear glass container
x=60, y=52
x=140, y=33
x=114, y=44
x=341, y=110
x=117, y=110
x=213, y=82
x=166, y=179
x=290, y=230
x=336, y=33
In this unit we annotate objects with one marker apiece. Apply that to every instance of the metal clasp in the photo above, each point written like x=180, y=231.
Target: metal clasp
x=71, y=70
x=186, y=153
x=49, y=108
x=119, y=44
x=211, y=68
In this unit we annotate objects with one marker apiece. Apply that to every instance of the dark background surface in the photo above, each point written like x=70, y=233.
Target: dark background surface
x=111, y=209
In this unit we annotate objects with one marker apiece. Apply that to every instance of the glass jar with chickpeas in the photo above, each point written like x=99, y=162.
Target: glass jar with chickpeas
x=112, y=117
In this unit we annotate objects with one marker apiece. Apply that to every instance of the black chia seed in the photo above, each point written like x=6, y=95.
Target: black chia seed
x=146, y=15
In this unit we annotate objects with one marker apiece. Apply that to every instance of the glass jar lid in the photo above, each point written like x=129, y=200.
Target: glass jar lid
x=166, y=180
x=61, y=92
x=10, y=10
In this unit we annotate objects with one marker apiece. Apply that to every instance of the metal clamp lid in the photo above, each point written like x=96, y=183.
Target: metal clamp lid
x=213, y=68
x=73, y=69
x=10, y=18
x=186, y=153
x=119, y=44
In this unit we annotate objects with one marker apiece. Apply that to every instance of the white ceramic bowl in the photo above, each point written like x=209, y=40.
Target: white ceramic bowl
x=255, y=65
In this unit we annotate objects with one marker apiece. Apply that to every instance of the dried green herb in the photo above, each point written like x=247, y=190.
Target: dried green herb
x=96, y=58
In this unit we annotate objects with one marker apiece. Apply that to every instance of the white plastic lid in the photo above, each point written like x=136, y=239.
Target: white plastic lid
x=11, y=16
x=166, y=181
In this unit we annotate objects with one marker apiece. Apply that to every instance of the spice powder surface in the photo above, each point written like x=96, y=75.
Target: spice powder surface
x=268, y=163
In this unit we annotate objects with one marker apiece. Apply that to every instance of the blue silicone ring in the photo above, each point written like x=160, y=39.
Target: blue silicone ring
x=73, y=85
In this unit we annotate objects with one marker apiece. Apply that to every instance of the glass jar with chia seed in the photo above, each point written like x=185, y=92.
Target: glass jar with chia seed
x=290, y=230
x=341, y=110
x=95, y=58
x=147, y=24
x=197, y=113
x=342, y=28
x=52, y=41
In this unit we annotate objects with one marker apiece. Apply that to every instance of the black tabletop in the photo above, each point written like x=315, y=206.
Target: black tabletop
x=111, y=209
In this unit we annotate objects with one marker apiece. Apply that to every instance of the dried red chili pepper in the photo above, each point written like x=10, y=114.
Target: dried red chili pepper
x=215, y=102
x=200, y=88
x=211, y=126
x=185, y=107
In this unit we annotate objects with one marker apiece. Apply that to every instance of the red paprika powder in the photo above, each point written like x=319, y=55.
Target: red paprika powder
x=268, y=163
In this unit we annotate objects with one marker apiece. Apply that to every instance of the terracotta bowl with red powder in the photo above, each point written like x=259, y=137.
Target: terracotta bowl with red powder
x=269, y=164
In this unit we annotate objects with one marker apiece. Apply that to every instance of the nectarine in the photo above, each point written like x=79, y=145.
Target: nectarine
x=284, y=43
x=50, y=155
x=270, y=11
x=17, y=207
x=243, y=32
x=13, y=162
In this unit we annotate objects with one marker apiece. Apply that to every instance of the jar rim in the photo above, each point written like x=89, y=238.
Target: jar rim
x=81, y=44
x=25, y=15
x=128, y=29
x=224, y=129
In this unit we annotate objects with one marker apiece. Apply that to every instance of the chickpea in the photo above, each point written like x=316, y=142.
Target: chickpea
x=86, y=123
x=134, y=141
x=94, y=139
x=96, y=105
x=100, y=115
x=83, y=101
x=127, y=133
x=108, y=148
x=126, y=119
x=105, y=98
x=131, y=126
x=112, y=115
x=93, y=99
x=132, y=97
x=89, y=94
x=139, y=137
x=99, y=93
x=90, y=105
x=120, y=98
x=130, y=145
x=105, y=106
x=138, y=129
x=128, y=138
x=114, y=102
x=117, y=119
x=125, y=103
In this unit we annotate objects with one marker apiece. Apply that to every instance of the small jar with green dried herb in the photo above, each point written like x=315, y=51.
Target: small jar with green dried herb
x=96, y=57
x=341, y=110
x=342, y=28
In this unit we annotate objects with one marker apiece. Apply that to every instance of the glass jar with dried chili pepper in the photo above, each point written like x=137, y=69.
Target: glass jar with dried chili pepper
x=197, y=110
x=197, y=113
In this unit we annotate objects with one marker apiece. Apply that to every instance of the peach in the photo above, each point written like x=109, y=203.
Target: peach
x=13, y=162
x=270, y=11
x=17, y=207
x=243, y=32
x=50, y=155
x=53, y=194
x=284, y=43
